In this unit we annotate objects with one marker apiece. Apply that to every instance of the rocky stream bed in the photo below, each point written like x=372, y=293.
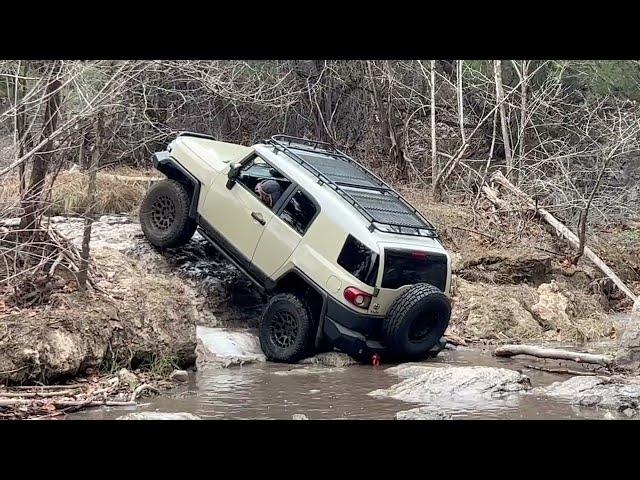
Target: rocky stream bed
x=201, y=310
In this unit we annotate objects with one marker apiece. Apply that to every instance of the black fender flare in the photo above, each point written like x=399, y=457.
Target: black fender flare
x=168, y=165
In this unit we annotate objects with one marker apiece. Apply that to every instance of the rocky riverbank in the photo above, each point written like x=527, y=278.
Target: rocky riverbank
x=155, y=312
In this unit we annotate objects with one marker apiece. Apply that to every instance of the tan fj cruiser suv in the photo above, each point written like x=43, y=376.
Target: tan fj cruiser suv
x=347, y=262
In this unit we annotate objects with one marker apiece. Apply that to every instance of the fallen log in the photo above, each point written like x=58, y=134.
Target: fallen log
x=46, y=387
x=552, y=353
x=492, y=195
x=16, y=402
x=61, y=393
x=560, y=228
x=93, y=403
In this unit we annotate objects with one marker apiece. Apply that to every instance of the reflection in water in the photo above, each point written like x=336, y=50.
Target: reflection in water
x=276, y=391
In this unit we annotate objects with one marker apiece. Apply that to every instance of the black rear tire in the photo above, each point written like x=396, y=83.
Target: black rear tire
x=416, y=322
x=164, y=215
x=286, y=329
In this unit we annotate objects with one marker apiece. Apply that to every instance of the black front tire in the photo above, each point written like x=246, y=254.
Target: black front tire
x=164, y=215
x=416, y=322
x=286, y=329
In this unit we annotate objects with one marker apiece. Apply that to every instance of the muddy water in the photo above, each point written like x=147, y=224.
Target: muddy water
x=272, y=391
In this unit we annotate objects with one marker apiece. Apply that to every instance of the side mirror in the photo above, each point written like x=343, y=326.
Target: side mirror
x=234, y=173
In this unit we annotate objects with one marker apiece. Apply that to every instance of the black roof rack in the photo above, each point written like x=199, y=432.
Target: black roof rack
x=381, y=205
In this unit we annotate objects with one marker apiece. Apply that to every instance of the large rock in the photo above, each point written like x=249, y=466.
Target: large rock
x=449, y=387
x=553, y=307
x=62, y=340
x=627, y=355
x=224, y=347
x=329, y=359
x=128, y=378
x=157, y=316
x=159, y=416
x=423, y=413
x=143, y=318
x=491, y=312
x=179, y=376
x=616, y=393
x=521, y=312
x=310, y=370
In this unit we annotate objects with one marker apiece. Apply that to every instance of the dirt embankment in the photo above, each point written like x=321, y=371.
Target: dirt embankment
x=138, y=319
x=513, y=280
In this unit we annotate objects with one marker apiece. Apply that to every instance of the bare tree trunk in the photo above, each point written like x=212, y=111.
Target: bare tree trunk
x=31, y=199
x=523, y=117
x=317, y=68
x=582, y=234
x=584, y=213
x=435, y=191
x=92, y=169
x=522, y=72
x=459, y=98
x=386, y=115
x=23, y=139
x=503, y=118
x=25, y=144
x=451, y=164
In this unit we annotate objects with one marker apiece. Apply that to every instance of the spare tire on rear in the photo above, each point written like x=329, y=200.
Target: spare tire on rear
x=416, y=322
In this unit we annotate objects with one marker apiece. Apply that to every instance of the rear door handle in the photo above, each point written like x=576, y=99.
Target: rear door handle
x=258, y=216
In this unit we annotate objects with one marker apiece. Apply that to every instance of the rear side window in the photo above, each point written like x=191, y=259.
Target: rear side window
x=404, y=267
x=359, y=260
x=299, y=212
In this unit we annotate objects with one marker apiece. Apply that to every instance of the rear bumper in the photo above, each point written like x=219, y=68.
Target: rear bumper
x=356, y=334
x=356, y=345
x=370, y=326
x=350, y=341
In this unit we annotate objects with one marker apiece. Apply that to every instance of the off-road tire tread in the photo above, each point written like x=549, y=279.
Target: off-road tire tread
x=303, y=313
x=186, y=226
x=395, y=316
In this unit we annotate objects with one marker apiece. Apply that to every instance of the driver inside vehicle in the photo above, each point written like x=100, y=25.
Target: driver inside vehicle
x=269, y=192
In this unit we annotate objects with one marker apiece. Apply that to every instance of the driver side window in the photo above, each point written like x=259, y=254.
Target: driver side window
x=263, y=181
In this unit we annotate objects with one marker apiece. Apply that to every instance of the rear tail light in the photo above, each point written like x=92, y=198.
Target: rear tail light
x=357, y=297
x=419, y=255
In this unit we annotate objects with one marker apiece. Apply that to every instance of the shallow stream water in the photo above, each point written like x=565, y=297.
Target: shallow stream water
x=273, y=391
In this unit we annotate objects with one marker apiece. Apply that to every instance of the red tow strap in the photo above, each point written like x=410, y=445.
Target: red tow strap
x=375, y=360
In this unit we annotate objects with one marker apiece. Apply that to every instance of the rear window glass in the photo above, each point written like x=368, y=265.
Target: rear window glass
x=405, y=267
x=359, y=260
x=299, y=212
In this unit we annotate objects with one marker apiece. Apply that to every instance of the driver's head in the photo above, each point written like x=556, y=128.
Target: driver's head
x=269, y=191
